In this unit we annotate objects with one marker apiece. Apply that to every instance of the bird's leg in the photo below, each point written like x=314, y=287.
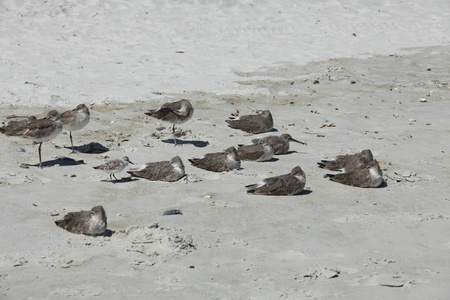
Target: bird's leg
x=115, y=177
x=174, y=137
x=111, y=179
x=71, y=142
x=40, y=160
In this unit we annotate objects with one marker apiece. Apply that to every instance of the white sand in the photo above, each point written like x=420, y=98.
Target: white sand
x=299, y=61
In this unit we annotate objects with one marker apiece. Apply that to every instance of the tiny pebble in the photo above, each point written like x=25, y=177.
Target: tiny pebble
x=172, y=212
x=54, y=214
x=20, y=149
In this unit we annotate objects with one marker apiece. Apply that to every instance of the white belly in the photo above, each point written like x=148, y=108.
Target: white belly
x=376, y=178
x=80, y=121
x=96, y=226
x=268, y=154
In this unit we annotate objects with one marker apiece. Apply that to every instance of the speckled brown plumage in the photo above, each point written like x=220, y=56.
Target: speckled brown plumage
x=171, y=170
x=259, y=123
x=288, y=184
x=218, y=162
x=347, y=162
x=93, y=222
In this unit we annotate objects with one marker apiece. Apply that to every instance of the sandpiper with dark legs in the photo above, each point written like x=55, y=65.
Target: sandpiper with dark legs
x=75, y=119
x=91, y=222
x=346, y=163
x=171, y=170
x=370, y=176
x=280, y=144
x=177, y=112
x=218, y=162
x=259, y=123
x=288, y=184
x=39, y=131
x=114, y=166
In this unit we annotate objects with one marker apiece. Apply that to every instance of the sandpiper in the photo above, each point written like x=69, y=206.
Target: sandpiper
x=280, y=144
x=75, y=119
x=171, y=170
x=346, y=163
x=288, y=184
x=91, y=222
x=177, y=112
x=218, y=162
x=40, y=130
x=262, y=151
x=370, y=176
x=114, y=166
x=253, y=123
x=11, y=126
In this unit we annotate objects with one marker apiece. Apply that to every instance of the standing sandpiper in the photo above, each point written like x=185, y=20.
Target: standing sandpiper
x=75, y=119
x=114, y=166
x=40, y=130
x=177, y=112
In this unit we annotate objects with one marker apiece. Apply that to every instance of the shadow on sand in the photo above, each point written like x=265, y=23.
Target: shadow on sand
x=91, y=148
x=121, y=180
x=198, y=144
x=304, y=192
x=61, y=161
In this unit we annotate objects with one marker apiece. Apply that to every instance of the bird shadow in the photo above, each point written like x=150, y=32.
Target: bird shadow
x=198, y=144
x=109, y=233
x=304, y=192
x=289, y=152
x=60, y=161
x=91, y=148
x=383, y=185
x=121, y=180
x=273, y=159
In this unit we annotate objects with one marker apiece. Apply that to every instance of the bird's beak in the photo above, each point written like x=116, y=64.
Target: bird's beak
x=300, y=142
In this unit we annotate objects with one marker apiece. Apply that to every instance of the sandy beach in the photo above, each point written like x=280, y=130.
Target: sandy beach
x=341, y=76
